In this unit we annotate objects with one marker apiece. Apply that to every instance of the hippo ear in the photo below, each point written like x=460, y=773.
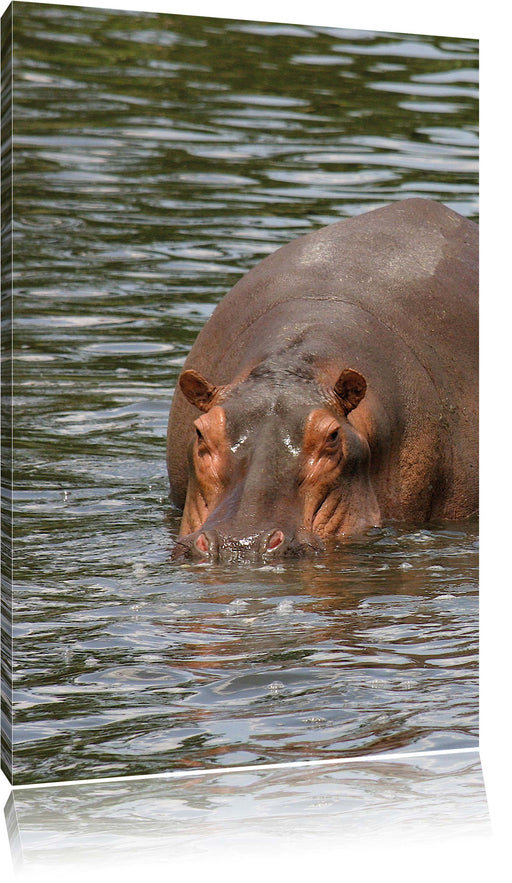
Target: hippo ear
x=199, y=391
x=350, y=388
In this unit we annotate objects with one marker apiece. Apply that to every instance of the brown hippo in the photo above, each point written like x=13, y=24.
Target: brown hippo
x=333, y=388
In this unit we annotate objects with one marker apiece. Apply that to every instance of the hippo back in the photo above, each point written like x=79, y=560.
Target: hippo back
x=409, y=270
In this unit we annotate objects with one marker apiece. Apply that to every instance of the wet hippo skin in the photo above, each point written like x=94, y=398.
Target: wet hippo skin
x=335, y=387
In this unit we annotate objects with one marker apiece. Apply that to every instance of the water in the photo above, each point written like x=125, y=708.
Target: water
x=157, y=159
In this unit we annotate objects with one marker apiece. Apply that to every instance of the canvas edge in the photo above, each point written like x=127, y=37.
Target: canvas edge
x=7, y=389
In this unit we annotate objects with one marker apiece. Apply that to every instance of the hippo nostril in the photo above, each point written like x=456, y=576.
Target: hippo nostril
x=274, y=540
x=202, y=544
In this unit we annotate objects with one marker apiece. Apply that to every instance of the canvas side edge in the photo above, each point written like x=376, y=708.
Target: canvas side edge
x=7, y=387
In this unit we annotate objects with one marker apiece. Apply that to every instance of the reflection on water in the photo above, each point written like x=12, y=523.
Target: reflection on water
x=157, y=159
x=306, y=809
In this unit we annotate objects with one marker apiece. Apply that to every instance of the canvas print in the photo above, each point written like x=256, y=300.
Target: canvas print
x=240, y=414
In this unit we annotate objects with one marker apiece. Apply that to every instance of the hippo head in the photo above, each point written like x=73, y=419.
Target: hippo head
x=275, y=466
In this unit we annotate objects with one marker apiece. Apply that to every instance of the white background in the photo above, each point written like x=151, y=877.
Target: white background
x=464, y=862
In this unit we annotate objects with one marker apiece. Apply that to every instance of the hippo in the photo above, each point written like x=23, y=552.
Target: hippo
x=333, y=389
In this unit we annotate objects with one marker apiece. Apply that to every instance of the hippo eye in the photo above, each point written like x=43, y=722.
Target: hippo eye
x=332, y=442
x=199, y=436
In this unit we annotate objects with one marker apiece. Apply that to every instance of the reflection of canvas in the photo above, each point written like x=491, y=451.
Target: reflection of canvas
x=317, y=813
x=158, y=159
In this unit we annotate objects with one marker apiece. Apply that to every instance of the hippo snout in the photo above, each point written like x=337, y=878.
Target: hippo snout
x=211, y=545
